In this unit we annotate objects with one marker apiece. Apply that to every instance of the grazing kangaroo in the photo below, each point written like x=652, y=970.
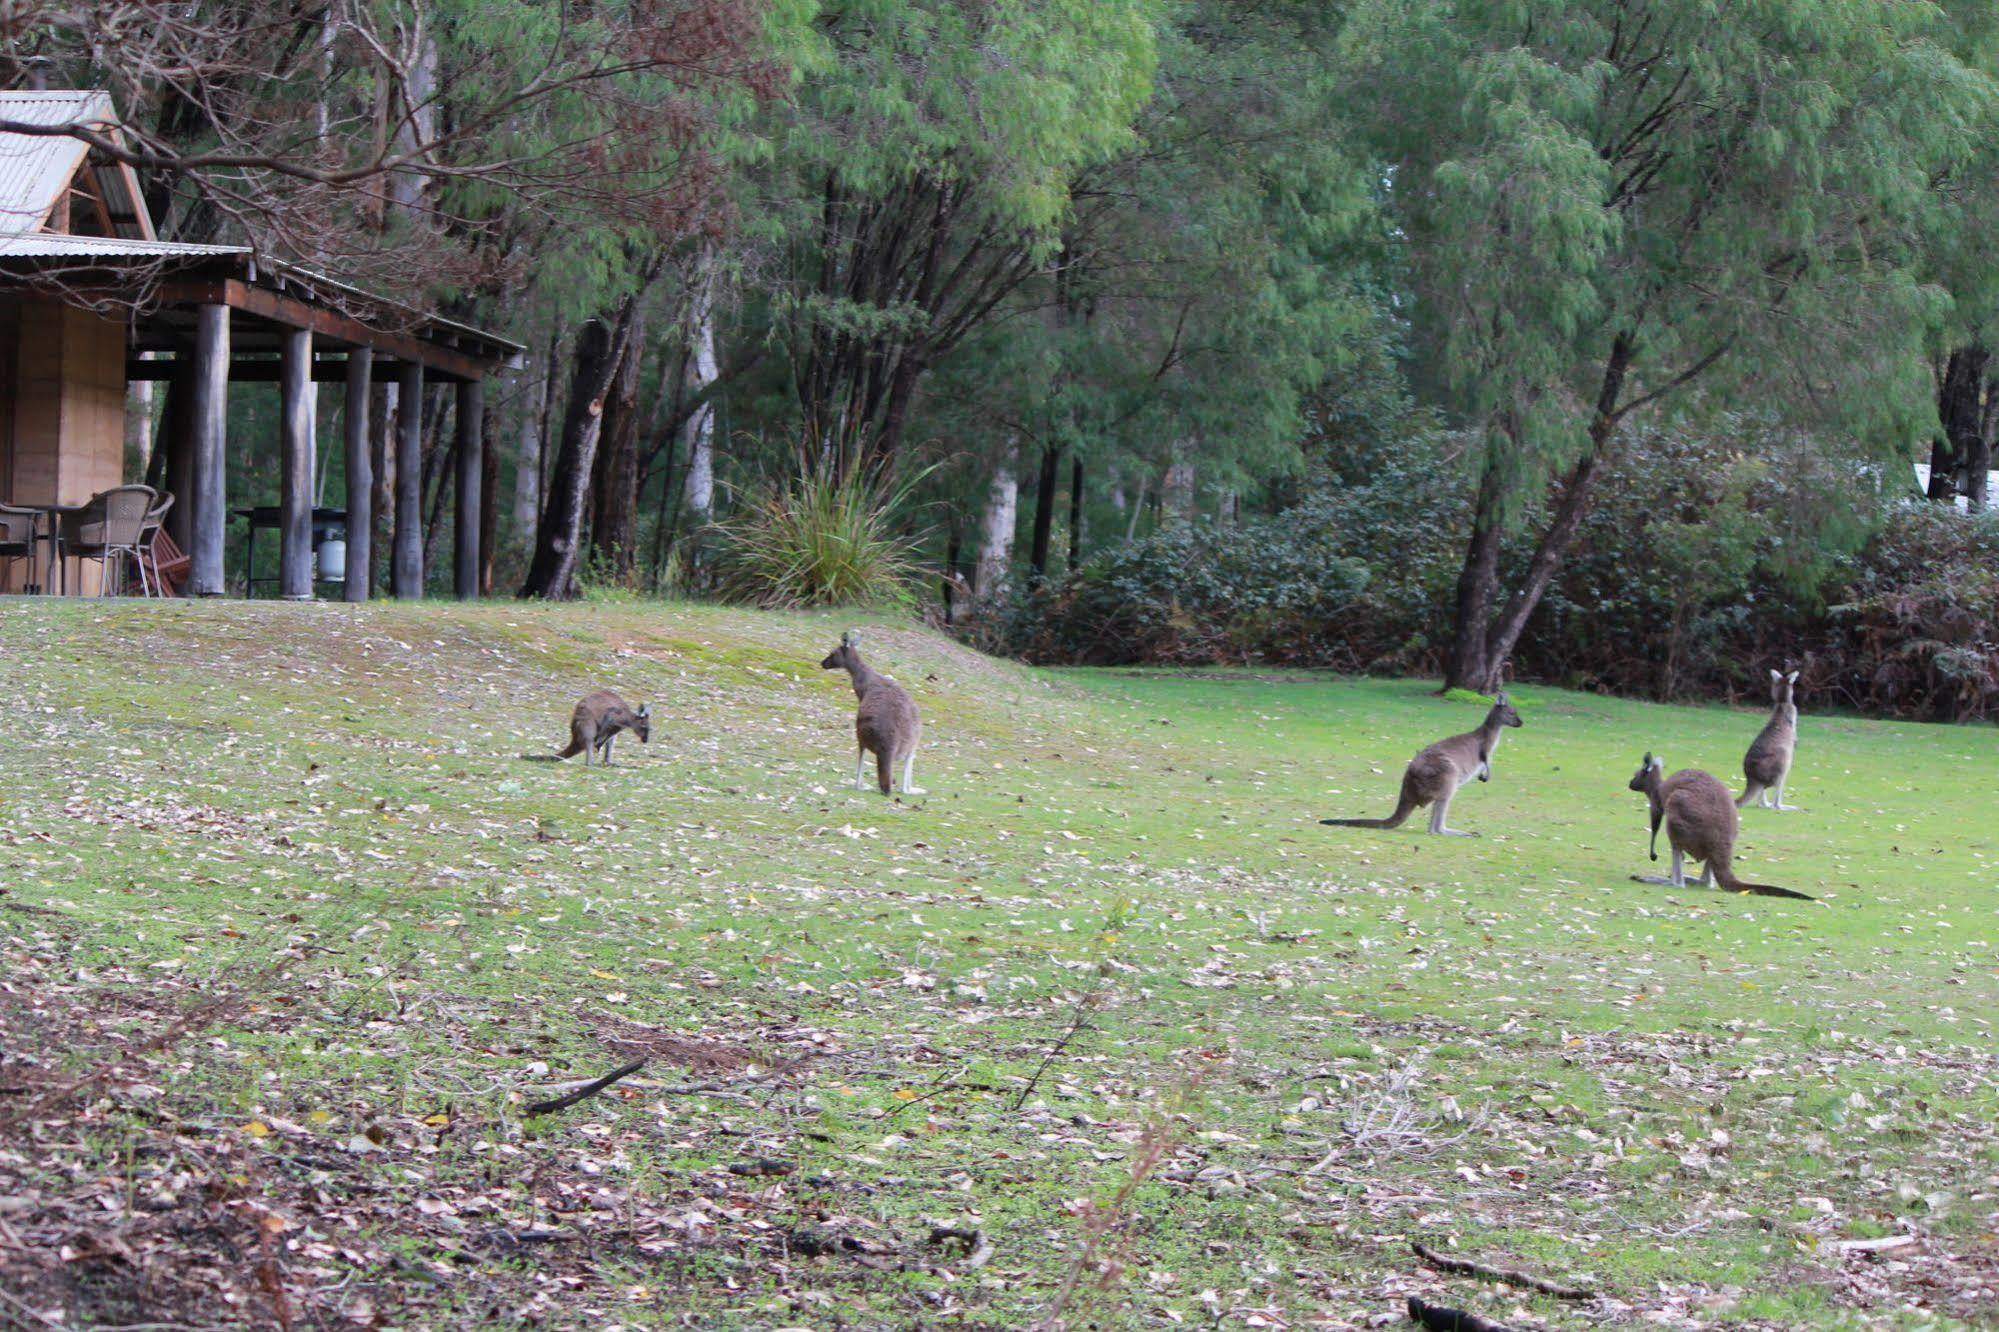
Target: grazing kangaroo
x=886, y=724
x=598, y=718
x=1768, y=761
x=1435, y=775
x=1700, y=822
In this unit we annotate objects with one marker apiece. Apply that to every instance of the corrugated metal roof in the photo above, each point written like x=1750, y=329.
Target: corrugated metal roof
x=56, y=245
x=35, y=169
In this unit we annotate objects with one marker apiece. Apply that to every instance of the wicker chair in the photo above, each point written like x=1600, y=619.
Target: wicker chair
x=111, y=529
x=20, y=538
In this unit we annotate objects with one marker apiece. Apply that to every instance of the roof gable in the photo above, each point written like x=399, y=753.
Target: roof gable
x=36, y=170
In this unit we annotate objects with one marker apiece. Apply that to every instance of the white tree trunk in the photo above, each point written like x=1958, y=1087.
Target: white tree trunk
x=702, y=370
x=527, y=458
x=416, y=121
x=1176, y=493
x=1002, y=514
x=139, y=424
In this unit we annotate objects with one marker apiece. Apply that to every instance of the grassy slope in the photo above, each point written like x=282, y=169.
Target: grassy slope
x=1332, y=1040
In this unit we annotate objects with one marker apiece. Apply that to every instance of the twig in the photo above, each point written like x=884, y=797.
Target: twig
x=1466, y=1267
x=1439, y=1319
x=587, y=1090
x=1078, y=1019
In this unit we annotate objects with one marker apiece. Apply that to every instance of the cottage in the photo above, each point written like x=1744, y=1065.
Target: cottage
x=91, y=300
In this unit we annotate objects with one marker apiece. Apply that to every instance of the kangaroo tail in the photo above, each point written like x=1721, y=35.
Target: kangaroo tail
x=1725, y=876
x=1749, y=794
x=885, y=770
x=1403, y=808
x=575, y=748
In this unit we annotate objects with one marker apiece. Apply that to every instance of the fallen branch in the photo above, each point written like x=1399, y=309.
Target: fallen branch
x=1466, y=1267
x=1884, y=1244
x=1439, y=1319
x=584, y=1092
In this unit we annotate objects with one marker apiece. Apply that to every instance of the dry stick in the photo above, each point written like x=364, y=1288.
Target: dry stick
x=1439, y=1319
x=1466, y=1267
x=588, y=1089
x=1077, y=1021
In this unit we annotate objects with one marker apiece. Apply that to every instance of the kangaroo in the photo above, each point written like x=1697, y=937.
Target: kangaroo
x=1435, y=775
x=1700, y=822
x=886, y=724
x=598, y=718
x=1768, y=761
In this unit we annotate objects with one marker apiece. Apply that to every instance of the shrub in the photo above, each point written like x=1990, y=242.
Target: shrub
x=819, y=538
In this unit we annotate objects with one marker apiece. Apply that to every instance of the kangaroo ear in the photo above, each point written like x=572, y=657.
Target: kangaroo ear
x=1776, y=676
x=1792, y=678
x=1501, y=700
x=1658, y=763
x=645, y=711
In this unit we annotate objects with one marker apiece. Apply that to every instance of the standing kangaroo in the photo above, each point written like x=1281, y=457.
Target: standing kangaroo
x=1435, y=775
x=1700, y=822
x=598, y=718
x=1768, y=761
x=887, y=722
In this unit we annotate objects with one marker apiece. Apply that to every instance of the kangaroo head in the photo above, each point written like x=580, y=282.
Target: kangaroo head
x=845, y=656
x=1648, y=772
x=1783, y=688
x=642, y=728
x=1502, y=711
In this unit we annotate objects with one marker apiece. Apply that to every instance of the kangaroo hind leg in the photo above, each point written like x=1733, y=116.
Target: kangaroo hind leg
x=908, y=770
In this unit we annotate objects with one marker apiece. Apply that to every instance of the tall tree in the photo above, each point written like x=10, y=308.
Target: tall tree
x=1610, y=204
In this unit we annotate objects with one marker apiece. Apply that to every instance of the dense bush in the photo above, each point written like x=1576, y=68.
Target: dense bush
x=1200, y=592
x=1713, y=556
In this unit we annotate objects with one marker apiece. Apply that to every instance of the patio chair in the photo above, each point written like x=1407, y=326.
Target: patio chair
x=20, y=535
x=109, y=530
x=159, y=556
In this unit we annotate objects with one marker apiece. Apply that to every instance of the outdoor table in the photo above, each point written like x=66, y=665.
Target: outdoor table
x=55, y=518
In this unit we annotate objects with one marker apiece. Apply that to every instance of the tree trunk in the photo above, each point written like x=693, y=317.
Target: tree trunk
x=1484, y=664
x=599, y=347
x=1176, y=492
x=1961, y=413
x=614, y=514
x=1075, y=514
x=1478, y=588
x=952, y=547
x=702, y=370
x=1044, y=512
x=139, y=426
x=1002, y=515
x=489, y=487
x=527, y=452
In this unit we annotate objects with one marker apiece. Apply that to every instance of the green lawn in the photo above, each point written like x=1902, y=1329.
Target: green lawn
x=290, y=934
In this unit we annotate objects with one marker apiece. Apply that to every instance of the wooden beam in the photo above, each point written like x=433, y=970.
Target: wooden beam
x=406, y=575
x=295, y=469
x=294, y=313
x=208, y=413
x=360, y=475
x=258, y=370
x=471, y=414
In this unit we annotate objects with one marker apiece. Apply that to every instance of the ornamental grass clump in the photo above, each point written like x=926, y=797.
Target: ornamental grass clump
x=824, y=536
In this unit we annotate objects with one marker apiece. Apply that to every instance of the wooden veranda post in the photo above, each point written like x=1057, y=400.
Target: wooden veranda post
x=406, y=577
x=471, y=414
x=360, y=473
x=208, y=419
x=295, y=469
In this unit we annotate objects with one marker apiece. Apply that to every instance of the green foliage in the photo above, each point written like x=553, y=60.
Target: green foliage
x=1200, y=592
x=1730, y=188
x=819, y=539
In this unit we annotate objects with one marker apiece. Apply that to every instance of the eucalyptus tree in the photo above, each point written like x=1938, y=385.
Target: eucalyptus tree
x=927, y=159
x=1610, y=203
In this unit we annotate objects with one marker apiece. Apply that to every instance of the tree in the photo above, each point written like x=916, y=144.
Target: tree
x=928, y=159
x=1614, y=203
